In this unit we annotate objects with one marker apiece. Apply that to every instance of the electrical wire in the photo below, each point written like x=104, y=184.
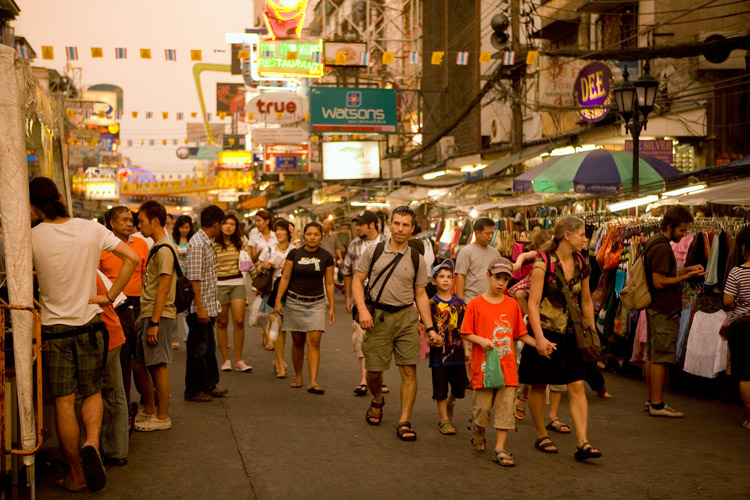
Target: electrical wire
x=633, y=4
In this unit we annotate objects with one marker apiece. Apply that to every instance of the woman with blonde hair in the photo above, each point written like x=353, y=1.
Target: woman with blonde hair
x=556, y=358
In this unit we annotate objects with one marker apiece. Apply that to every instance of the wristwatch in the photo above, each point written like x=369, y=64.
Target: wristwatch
x=151, y=323
x=432, y=328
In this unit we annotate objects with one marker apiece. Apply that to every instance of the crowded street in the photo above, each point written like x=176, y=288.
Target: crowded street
x=396, y=249
x=266, y=440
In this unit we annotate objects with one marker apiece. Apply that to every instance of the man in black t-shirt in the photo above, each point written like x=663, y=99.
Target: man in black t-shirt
x=663, y=313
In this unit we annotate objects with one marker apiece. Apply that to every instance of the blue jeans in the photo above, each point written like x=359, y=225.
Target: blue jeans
x=201, y=368
x=114, y=434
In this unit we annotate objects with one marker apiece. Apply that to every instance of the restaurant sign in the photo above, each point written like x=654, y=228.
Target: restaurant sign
x=593, y=91
x=297, y=58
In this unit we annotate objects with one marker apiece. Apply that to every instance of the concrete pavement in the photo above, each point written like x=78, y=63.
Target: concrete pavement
x=268, y=441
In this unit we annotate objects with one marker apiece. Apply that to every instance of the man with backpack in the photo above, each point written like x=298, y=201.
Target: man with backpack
x=396, y=276
x=663, y=313
x=157, y=324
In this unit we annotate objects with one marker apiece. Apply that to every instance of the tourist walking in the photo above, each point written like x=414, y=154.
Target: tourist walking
x=261, y=237
x=232, y=293
x=182, y=231
x=301, y=300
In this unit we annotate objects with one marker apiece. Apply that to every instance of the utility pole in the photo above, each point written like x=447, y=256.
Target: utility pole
x=517, y=75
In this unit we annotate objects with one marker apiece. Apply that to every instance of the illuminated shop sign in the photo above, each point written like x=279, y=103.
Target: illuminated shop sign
x=593, y=91
x=284, y=18
x=235, y=159
x=353, y=110
x=286, y=159
x=351, y=160
x=291, y=58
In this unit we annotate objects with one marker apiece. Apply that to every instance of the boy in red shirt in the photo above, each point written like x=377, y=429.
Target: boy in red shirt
x=494, y=320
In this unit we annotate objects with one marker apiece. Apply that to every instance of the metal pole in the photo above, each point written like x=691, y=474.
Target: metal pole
x=517, y=127
x=636, y=132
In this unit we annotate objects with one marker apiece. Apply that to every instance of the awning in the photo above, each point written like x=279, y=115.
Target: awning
x=730, y=193
x=523, y=201
x=254, y=202
x=528, y=153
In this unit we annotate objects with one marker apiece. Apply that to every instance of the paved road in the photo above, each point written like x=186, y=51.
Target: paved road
x=268, y=441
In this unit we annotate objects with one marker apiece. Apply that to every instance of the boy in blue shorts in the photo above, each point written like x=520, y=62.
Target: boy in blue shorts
x=446, y=348
x=494, y=320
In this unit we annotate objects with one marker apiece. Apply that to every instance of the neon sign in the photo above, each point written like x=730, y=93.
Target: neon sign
x=284, y=18
x=291, y=58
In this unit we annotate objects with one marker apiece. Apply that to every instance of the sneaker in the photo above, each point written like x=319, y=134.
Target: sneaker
x=667, y=411
x=226, y=366
x=154, y=424
x=175, y=344
x=141, y=416
x=240, y=366
x=647, y=406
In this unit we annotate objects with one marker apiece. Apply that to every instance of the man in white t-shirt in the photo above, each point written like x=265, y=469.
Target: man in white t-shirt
x=66, y=254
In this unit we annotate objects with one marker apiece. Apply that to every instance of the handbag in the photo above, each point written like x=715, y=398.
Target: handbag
x=587, y=338
x=263, y=282
x=493, y=373
x=613, y=253
x=245, y=262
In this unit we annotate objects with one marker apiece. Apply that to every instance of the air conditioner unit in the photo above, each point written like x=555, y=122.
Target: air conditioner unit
x=721, y=59
x=446, y=148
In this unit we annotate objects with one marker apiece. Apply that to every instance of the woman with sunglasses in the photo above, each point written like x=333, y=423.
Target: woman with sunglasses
x=304, y=310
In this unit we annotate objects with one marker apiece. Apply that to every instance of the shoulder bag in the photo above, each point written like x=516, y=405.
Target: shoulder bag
x=586, y=337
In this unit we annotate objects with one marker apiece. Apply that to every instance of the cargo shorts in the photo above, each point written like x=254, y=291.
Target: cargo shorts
x=393, y=335
x=661, y=339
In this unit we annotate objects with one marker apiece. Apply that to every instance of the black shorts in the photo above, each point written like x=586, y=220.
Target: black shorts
x=563, y=366
x=739, y=349
x=455, y=375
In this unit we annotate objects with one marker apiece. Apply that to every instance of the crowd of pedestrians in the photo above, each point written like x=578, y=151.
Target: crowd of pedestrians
x=117, y=318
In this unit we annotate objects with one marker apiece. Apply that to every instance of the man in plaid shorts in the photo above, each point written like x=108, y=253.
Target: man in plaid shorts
x=66, y=254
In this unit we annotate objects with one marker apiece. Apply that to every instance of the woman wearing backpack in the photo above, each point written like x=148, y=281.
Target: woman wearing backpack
x=556, y=358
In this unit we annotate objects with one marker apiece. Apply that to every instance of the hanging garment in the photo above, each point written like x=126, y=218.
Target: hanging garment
x=732, y=258
x=620, y=278
x=706, y=350
x=723, y=254
x=686, y=318
x=681, y=249
x=712, y=278
x=639, y=341
x=690, y=258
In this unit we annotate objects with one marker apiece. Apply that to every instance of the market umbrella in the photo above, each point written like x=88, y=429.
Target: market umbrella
x=597, y=171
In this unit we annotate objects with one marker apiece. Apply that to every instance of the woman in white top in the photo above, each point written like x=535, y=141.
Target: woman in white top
x=262, y=237
x=274, y=257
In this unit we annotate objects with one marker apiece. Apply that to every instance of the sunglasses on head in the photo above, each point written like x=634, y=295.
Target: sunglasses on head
x=403, y=210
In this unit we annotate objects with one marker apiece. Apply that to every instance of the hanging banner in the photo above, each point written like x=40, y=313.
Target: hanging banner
x=353, y=110
x=348, y=54
x=557, y=77
x=287, y=135
x=286, y=159
x=83, y=156
x=593, y=91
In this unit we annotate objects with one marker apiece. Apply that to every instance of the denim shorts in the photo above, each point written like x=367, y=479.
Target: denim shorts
x=148, y=355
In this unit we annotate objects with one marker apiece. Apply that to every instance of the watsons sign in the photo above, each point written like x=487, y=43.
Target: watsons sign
x=353, y=110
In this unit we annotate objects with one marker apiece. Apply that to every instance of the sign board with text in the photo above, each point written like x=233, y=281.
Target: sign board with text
x=658, y=148
x=351, y=160
x=296, y=58
x=347, y=53
x=276, y=107
x=353, y=110
x=286, y=159
x=593, y=91
x=286, y=135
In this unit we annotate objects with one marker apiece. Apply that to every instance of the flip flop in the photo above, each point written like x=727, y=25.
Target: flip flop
x=360, y=390
x=316, y=390
x=295, y=385
x=93, y=468
x=384, y=389
x=746, y=424
x=65, y=485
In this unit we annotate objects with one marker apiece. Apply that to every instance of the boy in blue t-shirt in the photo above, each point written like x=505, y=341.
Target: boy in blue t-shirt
x=446, y=349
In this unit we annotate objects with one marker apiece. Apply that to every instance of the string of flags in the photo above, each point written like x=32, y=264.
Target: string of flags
x=148, y=115
x=365, y=58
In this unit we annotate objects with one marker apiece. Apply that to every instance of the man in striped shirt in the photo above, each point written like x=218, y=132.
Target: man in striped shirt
x=201, y=369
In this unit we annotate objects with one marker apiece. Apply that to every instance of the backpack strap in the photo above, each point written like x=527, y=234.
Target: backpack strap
x=156, y=248
x=415, y=263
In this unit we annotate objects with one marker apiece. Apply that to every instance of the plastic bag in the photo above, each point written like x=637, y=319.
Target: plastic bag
x=273, y=331
x=246, y=263
x=493, y=374
x=257, y=318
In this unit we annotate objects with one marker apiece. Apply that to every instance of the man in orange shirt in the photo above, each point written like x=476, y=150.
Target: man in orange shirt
x=120, y=222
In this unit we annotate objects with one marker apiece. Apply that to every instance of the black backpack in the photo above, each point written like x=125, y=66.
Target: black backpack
x=184, y=293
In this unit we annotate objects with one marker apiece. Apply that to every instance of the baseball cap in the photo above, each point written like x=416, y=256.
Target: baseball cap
x=446, y=264
x=366, y=216
x=500, y=265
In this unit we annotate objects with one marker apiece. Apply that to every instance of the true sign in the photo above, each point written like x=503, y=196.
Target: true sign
x=341, y=109
x=593, y=91
x=276, y=107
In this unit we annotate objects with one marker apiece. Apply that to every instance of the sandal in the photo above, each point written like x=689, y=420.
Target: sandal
x=545, y=445
x=478, y=440
x=405, y=432
x=373, y=417
x=520, y=409
x=746, y=424
x=360, y=390
x=384, y=389
x=556, y=425
x=446, y=428
x=94, y=473
x=296, y=384
x=65, y=484
x=503, y=458
x=583, y=453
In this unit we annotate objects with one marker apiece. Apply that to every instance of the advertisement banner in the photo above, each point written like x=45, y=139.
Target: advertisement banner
x=353, y=110
x=351, y=160
x=658, y=148
x=352, y=52
x=83, y=156
x=277, y=107
x=593, y=91
x=286, y=159
x=291, y=135
x=230, y=98
x=557, y=77
x=104, y=108
x=291, y=58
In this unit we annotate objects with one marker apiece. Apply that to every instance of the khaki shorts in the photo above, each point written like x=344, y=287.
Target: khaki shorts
x=393, y=335
x=661, y=340
x=499, y=400
x=227, y=293
x=357, y=334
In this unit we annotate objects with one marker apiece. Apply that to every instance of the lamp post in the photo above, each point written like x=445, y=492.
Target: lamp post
x=634, y=103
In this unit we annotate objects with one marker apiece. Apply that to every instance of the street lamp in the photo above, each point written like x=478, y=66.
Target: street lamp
x=635, y=102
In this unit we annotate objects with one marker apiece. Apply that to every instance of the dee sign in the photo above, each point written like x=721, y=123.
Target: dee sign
x=593, y=91
x=353, y=110
x=276, y=107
